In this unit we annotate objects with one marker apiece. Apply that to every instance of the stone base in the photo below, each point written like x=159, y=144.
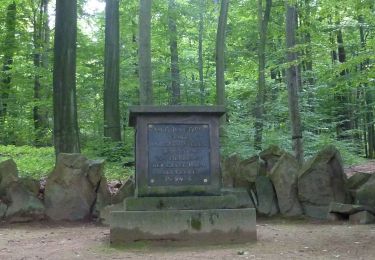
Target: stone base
x=362, y=217
x=212, y=226
x=228, y=201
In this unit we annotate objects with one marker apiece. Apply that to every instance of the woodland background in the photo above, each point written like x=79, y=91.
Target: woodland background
x=333, y=50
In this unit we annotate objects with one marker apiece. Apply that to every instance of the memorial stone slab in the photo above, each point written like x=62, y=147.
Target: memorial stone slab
x=177, y=150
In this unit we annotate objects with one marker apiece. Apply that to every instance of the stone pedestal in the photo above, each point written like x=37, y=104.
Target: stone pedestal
x=179, y=193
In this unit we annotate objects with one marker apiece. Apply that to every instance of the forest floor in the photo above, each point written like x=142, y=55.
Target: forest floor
x=277, y=239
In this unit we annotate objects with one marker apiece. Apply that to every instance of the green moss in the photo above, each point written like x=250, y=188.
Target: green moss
x=196, y=223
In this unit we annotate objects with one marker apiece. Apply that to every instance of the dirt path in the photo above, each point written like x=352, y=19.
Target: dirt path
x=277, y=239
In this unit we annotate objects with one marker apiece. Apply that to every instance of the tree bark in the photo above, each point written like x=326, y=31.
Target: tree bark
x=200, y=54
x=292, y=80
x=145, y=72
x=220, y=59
x=344, y=116
x=9, y=47
x=263, y=20
x=112, y=125
x=175, y=70
x=40, y=39
x=369, y=100
x=66, y=133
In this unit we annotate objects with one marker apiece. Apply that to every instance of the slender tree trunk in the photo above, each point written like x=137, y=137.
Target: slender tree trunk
x=66, y=133
x=261, y=95
x=343, y=97
x=369, y=101
x=9, y=47
x=220, y=50
x=292, y=79
x=175, y=70
x=112, y=125
x=40, y=24
x=200, y=54
x=145, y=72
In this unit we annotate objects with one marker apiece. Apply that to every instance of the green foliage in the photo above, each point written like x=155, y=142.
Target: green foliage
x=31, y=161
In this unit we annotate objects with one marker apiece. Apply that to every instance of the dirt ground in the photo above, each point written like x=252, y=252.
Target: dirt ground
x=277, y=239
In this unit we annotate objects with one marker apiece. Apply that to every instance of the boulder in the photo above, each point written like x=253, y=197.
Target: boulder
x=126, y=190
x=3, y=209
x=105, y=213
x=348, y=209
x=284, y=178
x=270, y=156
x=8, y=174
x=362, y=217
x=322, y=181
x=230, y=168
x=24, y=205
x=248, y=171
x=267, y=201
x=357, y=180
x=30, y=185
x=365, y=195
x=103, y=197
x=70, y=192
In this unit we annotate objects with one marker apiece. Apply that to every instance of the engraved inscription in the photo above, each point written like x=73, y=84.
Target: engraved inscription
x=178, y=154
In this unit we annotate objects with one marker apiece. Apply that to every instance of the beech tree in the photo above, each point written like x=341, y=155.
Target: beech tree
x=66, y=133
x=220, y=54
x=263, y=19
x=112, y=126
x=10, y=45
x=145, y=71
x=175, y=70
x=293, y=81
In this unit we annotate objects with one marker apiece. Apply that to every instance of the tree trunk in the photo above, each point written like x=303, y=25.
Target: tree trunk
x=112, y=125
x=145, y=73
x=200, y=54
x=261, y=95
x=175, y=70
x=66, y=133
x=369, y=101
x=220, y=48
x=343, y=97
x=9, y=47
x=40, y=38
x=292, y=80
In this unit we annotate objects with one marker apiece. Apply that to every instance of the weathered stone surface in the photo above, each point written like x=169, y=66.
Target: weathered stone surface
x=267, y=201
x=321, y=181
x=24, y=205
x=8, y=174
x=365, y=195
x=284, y=178
x=180, y=203
x=3, y=209
x=363, y=217
x=30, y=184
x=126, y=190
x=357, y=180
x=71, y=187
x=348, y=209
x=319, y=212
x=230, y=168
x=270, y=156
x=244, y=200
x=105, y=213
x=184, y=226
x=248, y=170
x=103, y=197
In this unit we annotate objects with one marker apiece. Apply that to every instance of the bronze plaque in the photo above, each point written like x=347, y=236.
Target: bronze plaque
x=178, y=154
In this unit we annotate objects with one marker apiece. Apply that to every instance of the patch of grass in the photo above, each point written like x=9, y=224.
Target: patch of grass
x=39, y=162
x=31, y=161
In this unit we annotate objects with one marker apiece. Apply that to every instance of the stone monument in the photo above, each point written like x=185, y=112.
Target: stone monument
x=179, y=196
